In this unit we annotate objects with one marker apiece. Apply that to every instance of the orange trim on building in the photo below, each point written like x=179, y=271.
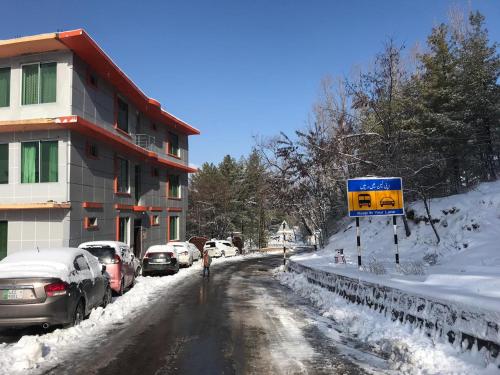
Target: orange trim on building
x=117, y=228
x=174, y=209
x=34, y=206
x=92, y=205
x=90, y=129
x=124, y=207
x=155, y=208
x=140, y=208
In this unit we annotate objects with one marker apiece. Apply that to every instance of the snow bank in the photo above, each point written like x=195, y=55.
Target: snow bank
x=409, y=350
x=462, y=268
x=32, y=352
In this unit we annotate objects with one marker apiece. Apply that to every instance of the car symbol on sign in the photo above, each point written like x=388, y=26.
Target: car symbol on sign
x=364, y=200
x=387, y=201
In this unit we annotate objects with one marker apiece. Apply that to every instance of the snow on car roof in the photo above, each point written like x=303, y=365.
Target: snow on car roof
x=113, y=244
x=56, y=262
x=160, y=248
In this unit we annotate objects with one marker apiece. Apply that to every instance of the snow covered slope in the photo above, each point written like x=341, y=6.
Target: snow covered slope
x=463, y=267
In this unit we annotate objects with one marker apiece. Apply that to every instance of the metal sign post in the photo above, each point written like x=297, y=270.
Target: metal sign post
x=395, y=226
x=358, y=241
x=375, y=196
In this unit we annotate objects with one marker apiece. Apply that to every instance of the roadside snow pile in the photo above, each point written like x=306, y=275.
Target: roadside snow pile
x=462, y=268
x=408, y=351
x=32, y=352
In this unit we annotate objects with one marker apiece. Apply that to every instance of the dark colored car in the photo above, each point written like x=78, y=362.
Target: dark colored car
x=160, y=259
x=51, y=287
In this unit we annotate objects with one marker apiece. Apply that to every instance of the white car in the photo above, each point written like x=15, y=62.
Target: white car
x=196, y=252
x=227, y=248
x=217, y=248
x=185, y=254
x=213, y=250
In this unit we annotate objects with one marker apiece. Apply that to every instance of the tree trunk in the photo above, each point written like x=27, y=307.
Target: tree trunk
x=424, y=199
x=407, y=227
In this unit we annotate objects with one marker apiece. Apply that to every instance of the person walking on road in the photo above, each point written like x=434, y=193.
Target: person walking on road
x=207, y=260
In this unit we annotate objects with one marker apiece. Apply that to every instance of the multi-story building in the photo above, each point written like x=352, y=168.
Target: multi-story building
x=84, y=153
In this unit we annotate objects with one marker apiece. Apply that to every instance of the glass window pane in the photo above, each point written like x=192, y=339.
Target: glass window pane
x=29, y=162
x=4, y=164
x=173, y=186
x=122, y=120
x=48, y=82
x=4, y=87
x=173, y=228
x=30, y=84
x=3, y=239
x=49, y=161
x=123, y=229
x=174, y=144
x=123, y=177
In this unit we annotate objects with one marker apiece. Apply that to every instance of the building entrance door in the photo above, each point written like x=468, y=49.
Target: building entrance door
x=138, y=238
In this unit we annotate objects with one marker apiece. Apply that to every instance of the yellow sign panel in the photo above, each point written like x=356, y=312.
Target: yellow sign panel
x=375, y=196
x=375, y=200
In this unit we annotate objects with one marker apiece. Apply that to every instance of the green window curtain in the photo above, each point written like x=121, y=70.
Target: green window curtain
x=3, y=239
x=122, y=115
x=4, y=87
x=173, y=186
x=48, y=82
x=30, y=84
x=4, y=164
x=123, y=178
x=49, y=161
x=174, y=144
x=29, y=162
x=174, y=228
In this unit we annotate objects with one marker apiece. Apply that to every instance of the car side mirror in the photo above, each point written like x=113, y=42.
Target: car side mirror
x=103, y=268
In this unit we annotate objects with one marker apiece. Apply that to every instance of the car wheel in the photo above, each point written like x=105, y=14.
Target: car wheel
x=77, y=316
x=107, y=297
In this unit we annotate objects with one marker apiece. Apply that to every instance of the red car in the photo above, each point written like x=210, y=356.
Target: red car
x=119, y=261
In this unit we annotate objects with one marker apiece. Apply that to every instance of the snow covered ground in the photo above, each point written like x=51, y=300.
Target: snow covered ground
x=409, y=351
x=35, y=352
x=467, y=259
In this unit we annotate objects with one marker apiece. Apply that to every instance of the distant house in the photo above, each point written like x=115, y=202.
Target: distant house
x=84, y=153
x=282, y=234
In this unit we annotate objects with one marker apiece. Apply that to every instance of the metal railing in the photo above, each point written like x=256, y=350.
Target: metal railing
x=147, y=142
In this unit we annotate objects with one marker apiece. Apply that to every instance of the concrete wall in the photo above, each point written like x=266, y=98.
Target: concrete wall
x=62, y=106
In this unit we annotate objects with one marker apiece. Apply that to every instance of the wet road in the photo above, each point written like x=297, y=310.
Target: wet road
x=240, y=321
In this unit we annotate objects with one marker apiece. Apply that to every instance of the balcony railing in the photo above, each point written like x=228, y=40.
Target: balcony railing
x=147, y=142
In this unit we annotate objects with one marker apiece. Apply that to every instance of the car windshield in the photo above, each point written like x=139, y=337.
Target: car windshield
x=105, y=254
x=210, y=244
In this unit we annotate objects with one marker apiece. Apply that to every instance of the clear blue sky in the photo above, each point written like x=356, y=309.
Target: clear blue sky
x=235, y=68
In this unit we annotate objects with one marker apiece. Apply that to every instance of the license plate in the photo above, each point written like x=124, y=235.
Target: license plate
x=159, y=261
x=14, y=294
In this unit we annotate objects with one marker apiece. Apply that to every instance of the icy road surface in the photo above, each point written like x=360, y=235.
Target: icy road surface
x=241, y=321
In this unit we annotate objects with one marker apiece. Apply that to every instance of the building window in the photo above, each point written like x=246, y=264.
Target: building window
x=122, y=177
x=92, y=150
x=4, y=163
x=39, y=83
x=173, y=144
x=174, y=190
x=90, y=223
x=4, y=87
x=39, y=161
x=122, y=115
x=3, y=239
x=173, y=228
x=123, y=230
x=155, y=172
x=155, y=220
